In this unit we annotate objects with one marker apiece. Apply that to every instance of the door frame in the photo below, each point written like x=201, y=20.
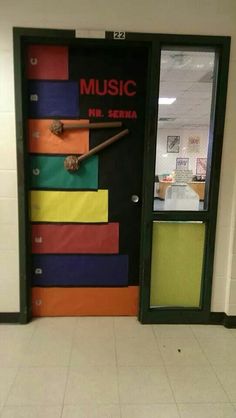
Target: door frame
x=153, y=41
x=209, y=217
x=19, y=35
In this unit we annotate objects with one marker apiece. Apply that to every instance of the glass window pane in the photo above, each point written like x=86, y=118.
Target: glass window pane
x=183, y=150
x=177, y=259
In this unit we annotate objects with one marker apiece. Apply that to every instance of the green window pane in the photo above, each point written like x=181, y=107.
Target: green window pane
x=177, y=258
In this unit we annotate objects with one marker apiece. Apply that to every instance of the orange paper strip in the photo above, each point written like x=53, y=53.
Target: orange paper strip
x=41, y=140
x=84, y=301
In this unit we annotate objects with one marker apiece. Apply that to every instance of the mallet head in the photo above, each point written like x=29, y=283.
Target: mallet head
x=56, y=127
x=71, y=163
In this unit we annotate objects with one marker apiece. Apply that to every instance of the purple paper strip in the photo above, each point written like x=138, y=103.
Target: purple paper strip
x=53, y=98
x=80, y=270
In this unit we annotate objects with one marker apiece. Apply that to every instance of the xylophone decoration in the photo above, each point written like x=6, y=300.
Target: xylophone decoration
x=72, y=162
x=85, y=240
x=57, y=127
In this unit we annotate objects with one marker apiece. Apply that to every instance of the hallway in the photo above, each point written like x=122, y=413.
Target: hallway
x=116, y=368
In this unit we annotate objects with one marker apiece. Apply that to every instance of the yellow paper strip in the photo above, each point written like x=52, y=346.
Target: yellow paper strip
x=50, y=206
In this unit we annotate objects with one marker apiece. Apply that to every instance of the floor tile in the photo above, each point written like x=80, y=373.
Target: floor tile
x=7, y=377
x=51, y=343
x=92, y=385
x=22, y=332
x=137, y=352
x=14, y=342
x=46, y=349
x=220, y=351
x=143, y=385
x=38, y=379
x=89, y=411
x=31, y=412
x=213, y=410
x=232, y=332
x=195, y=384
x=38, y=386
x=210, y=331
x=130, y=327
x=173, y=331
x=182, y=351
x=56, y=326
x=12, y=352
x=93, y=351
x=96, y=327
x=149, y=411
x=227, y=376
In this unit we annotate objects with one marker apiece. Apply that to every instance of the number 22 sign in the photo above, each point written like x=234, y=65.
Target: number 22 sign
x=118, y=35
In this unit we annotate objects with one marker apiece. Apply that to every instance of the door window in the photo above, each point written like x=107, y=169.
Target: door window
x=183, y=148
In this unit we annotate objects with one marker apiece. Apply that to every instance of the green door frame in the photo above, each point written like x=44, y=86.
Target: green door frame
x=153, y=42
x=209, y=216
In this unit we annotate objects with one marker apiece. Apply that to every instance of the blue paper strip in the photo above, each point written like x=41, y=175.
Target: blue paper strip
x=79, y=270
x=53, y=98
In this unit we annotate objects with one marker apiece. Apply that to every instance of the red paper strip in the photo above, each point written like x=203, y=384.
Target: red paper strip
x=47, y=62
x=76, y=238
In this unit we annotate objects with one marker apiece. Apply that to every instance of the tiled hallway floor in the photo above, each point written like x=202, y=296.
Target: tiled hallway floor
x=116, y=368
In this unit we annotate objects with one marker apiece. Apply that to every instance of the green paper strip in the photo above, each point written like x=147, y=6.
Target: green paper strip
x=49, y=172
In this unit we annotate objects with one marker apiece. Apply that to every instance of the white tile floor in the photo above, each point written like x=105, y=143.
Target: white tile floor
x=116, y=368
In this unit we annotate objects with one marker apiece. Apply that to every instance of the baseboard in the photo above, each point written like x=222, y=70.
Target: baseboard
x=10, y=317
x=215, y=318
x=220, y=318
x=229, y=321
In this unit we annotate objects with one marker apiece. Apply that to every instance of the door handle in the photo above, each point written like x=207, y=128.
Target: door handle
x=135, y=198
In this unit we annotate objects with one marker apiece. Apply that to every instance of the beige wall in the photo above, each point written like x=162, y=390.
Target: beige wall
x=206, y=17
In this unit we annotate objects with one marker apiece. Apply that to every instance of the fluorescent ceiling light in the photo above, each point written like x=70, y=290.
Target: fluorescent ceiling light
x=166, y=100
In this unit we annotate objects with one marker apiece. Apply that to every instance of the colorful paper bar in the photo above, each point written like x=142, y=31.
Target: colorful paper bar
x=53, y=98
x=41, y=140
x=76, y=238
x=79, y=270
x=55, y=206
x=84, y=301
x=47, y=62
x=49, y=172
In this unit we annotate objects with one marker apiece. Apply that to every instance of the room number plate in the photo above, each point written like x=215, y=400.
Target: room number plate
x=118, y=35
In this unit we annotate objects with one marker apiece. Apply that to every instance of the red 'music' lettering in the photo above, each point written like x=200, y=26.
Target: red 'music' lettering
x=110, y=87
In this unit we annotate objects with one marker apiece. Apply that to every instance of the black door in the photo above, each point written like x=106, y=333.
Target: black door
x=101, y=81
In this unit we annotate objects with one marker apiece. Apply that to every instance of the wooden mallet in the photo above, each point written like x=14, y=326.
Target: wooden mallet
x=72, y=162
x=57, y=127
